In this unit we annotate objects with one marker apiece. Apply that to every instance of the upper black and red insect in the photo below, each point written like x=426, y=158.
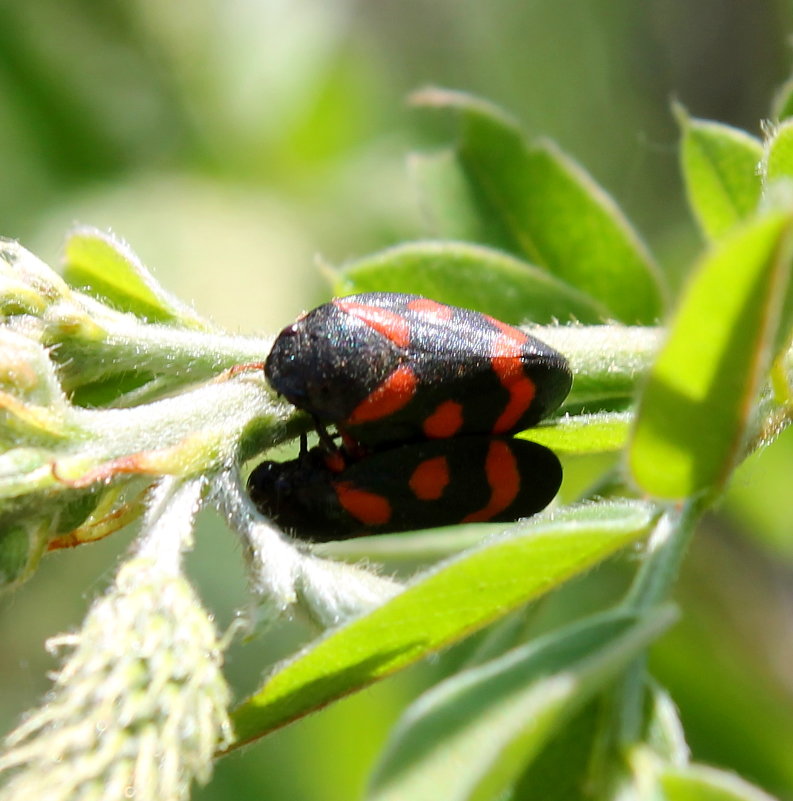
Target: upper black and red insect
x=386, y=367
x=423, y=395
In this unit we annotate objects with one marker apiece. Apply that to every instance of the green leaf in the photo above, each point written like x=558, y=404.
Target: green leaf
x=603, y=432
x=475, y=733
x=779, y=153
x=693, y=415
x=721, y=172
x=537, y=203
x=443, y=606
x=703, y=783
x=474, y=277
x=107, y=268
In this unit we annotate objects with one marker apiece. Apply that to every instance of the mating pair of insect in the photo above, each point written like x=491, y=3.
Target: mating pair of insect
x=424, y=397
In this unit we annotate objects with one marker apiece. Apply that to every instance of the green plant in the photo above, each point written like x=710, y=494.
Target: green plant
x=118, y=402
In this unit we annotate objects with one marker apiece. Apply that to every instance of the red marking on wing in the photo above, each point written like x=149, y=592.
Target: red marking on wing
x=507, y=365
x=501, y=469
x=430, y=479
x=390, y=324
x=445, y=421
x=431, y=308
x=335, y=462
x=367, y=507
x=394, y=393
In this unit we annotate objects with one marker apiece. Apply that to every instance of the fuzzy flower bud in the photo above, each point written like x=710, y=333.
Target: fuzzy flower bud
x=139, y=707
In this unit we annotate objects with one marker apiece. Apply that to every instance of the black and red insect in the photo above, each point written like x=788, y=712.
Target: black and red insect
x=420, y=485
x=388, y=368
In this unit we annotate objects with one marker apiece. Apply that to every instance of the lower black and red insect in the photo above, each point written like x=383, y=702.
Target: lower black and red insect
x=421, y=485
x=387, y=368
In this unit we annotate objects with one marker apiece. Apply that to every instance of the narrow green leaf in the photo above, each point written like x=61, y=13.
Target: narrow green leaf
x=703, y=783
x=779, y=153
x=22, y=543
x=603, y=432
x=537, y=203
x=696, y=405
x=475, y=733
x=663, y=729
x=107, y=268
x=721, y=172
x=474, y=277
x=421, y=547
x=443, y=606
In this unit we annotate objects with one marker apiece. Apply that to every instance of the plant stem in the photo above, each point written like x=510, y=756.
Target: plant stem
x=606, y=360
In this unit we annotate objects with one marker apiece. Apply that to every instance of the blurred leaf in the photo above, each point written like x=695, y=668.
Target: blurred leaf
x=22, y=543
x=693, y=415
x=604, y=432
x=720, y=170
x=473, y=277
x=540, y=205
x=782, y=105
x=779, y=153
x=108, y=269
x=725, y=662
x=663, y=729
x=702, y=783
x=475, y=733
x=574, y=764
x=440, y=608
x=447, y=199
x=560, y=772
x=759, y=502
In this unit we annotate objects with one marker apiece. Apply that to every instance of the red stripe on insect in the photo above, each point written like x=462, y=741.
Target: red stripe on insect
x=394, y=393
x=367, y=507
x=431, y=308
x=430, y=479
x=445, y=421
x=390, y=324
x=515, y=335
x=508, y=366
x=501, y=469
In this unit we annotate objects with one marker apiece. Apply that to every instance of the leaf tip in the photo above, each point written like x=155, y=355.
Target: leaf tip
x=680, y=113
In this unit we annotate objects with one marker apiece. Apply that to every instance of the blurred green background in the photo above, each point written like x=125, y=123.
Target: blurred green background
x=238, y=144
